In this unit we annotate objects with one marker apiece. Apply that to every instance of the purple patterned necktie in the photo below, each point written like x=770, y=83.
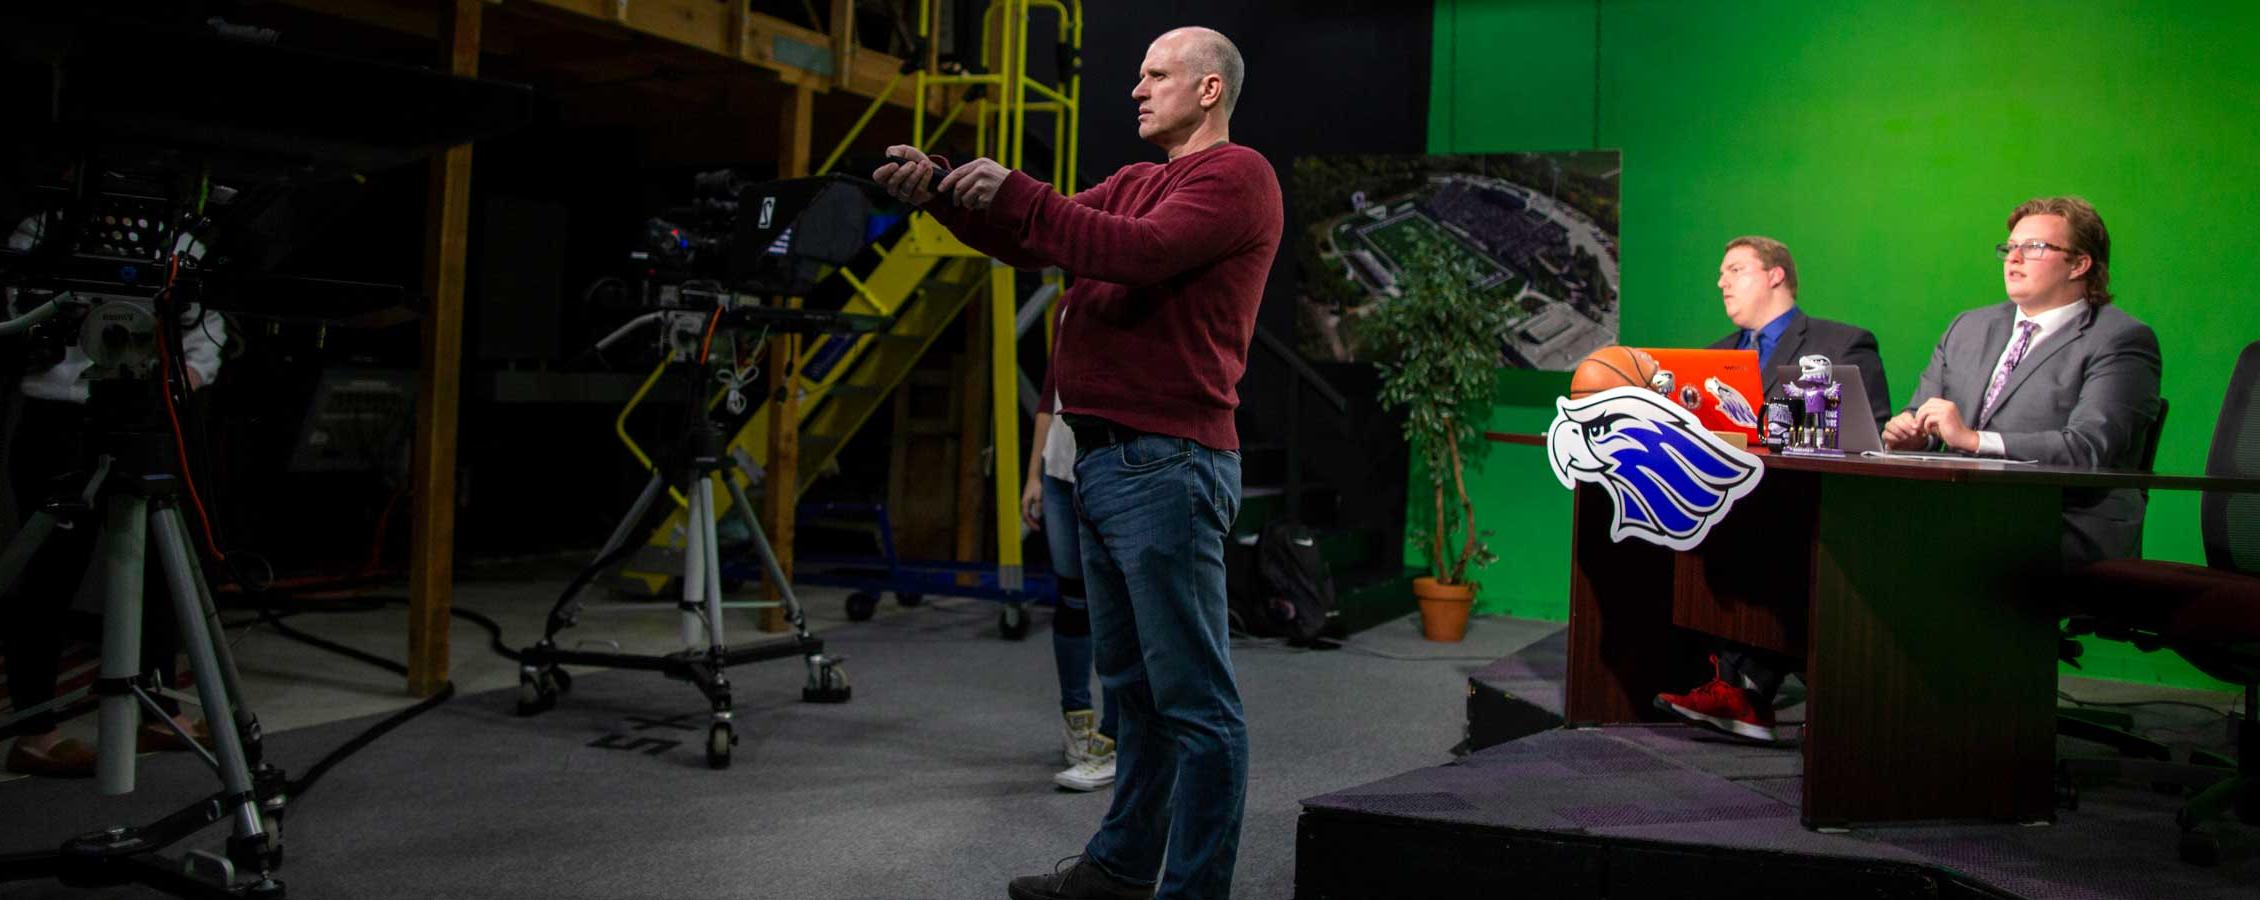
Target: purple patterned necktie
x=2008, y=365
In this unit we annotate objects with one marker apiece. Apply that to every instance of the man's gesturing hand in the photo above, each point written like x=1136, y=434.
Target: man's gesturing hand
x=1941, y=417
x=975, y=184
x=1903, y=432
x=906, y=181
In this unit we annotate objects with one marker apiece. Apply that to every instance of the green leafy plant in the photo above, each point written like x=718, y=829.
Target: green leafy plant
x=1437, y=344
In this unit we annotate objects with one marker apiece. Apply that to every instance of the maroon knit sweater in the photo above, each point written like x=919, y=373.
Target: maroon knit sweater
x=1169, y=262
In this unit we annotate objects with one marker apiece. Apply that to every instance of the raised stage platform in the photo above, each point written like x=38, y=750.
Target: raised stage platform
x=1536, y=811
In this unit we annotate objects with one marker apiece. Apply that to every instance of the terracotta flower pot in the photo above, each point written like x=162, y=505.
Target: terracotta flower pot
x=1443, y=608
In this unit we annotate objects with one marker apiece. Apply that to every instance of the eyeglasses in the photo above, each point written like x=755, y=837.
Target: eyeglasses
x=2031, y=250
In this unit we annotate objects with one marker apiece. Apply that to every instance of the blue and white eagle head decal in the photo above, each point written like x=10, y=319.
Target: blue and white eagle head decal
x=1671, y=478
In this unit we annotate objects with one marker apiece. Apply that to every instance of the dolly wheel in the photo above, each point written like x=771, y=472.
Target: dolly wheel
x=1012, y=622
x=719, y=740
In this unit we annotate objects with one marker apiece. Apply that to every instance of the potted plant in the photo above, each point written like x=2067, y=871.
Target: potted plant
x=1437, y=343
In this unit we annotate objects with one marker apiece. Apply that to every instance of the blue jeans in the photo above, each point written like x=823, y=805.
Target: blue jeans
x=1071, y=625
x=1155, y=511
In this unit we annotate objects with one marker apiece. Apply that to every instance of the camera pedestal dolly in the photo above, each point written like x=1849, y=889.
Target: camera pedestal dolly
x=702, y=471
x=140, y=514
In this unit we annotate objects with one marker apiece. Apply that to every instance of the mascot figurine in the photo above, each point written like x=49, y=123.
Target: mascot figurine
x=1817, y=428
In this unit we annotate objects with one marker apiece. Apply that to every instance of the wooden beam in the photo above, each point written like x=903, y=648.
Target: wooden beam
x=843, y=43
x=722, y=29
x=795, y=133
x=431, y=576
x=778, y=491
x=972, y=423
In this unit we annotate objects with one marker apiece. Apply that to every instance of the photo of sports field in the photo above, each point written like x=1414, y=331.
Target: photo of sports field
x=1538, y=229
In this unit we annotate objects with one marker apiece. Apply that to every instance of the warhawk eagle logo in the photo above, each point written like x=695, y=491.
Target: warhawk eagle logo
x=1672, y=479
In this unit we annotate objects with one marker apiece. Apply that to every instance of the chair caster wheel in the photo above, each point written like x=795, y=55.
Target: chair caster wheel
x=860, y=606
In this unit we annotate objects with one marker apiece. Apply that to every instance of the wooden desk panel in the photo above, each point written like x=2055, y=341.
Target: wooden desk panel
x=1748, y=581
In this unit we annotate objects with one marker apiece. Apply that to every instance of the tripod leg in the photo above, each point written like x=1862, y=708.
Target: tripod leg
x=120, y=548
x=627, y=527
x=694, y=564
x=23, y=547
x=235, y=771
x=231, y=679
x=769, y=565
x=713, y=570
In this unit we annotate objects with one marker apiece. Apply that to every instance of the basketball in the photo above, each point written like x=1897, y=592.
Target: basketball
x=1608, y=367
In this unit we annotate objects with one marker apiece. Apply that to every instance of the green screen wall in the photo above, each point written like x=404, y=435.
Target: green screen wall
x=1886, y=144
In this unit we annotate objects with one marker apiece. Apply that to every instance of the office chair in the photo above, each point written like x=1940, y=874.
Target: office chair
x=2110, y=726
x=2208, y=615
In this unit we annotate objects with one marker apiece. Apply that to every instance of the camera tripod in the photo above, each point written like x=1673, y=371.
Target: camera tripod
x=140, y=514
x=702, y=470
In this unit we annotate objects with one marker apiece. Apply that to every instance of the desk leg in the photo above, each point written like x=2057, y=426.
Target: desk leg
x=1622, y=646
x=1933, y=666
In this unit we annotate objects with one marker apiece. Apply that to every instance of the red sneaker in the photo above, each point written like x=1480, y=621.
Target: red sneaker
x=1725, y=708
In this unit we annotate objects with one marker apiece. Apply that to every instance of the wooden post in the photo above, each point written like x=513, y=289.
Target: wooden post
x=431, y=574
x=843, y=42
x=781, y=484
x=972, y=424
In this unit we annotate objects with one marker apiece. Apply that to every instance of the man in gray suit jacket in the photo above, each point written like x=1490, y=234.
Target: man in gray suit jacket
x=2056, y=374
x=1758, y=284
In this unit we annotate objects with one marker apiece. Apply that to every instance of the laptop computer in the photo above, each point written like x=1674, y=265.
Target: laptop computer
x=1856, y=430
x=1725, y=389
x=1857, y=433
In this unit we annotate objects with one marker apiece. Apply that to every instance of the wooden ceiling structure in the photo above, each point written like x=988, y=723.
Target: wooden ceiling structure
x=698, y=79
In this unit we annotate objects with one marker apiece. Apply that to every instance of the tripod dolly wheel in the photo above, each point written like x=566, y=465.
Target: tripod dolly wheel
x=1012, y=621
x=719, y=739
x=860, y=606
x=538, y=689
x=827, y=683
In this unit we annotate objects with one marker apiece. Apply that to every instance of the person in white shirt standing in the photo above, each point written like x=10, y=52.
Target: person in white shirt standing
x=1047, y=505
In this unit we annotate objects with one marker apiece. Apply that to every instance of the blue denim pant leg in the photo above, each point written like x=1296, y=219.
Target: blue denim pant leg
x=1071, y=653
x=1155, y=512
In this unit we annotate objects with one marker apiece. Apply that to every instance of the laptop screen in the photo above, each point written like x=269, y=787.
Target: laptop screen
x=1723, y=388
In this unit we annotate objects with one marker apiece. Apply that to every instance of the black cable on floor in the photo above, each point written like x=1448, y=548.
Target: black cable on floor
x=300, y=785
x=273, y=618
x=2068, y=698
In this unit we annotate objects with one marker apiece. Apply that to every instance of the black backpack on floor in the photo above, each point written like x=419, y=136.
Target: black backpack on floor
x=1280, y=586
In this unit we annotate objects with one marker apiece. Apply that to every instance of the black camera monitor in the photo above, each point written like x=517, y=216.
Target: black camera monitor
x=789, y=231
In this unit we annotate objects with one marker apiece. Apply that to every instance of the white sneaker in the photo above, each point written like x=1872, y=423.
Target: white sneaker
x=1082, y=725
x=1091, y=774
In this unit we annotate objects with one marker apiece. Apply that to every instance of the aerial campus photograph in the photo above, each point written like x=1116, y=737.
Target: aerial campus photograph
x=1539, y=231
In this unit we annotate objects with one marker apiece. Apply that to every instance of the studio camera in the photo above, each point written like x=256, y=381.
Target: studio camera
x=775, y=238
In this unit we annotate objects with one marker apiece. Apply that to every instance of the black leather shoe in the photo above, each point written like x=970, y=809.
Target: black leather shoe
x=1081, y=881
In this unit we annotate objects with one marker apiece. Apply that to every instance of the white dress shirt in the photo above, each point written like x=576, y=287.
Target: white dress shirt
x=2052, y=323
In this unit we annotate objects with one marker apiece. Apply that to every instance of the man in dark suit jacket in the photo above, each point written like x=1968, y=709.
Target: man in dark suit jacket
x=2056, y=374
x=1758, y=283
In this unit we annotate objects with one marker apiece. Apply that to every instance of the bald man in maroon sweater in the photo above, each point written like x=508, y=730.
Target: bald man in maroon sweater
x=1169, y=261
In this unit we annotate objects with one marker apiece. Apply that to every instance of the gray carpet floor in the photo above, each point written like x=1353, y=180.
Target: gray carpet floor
x=933, y=783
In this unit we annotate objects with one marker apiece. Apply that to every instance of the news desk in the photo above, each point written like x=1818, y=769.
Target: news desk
x=1916, y=592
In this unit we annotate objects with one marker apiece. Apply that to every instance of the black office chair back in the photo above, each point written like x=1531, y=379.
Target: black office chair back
x=2149, y=459
x=2231, y=521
